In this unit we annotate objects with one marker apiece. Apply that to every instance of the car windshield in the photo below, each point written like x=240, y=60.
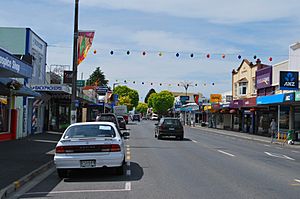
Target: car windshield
x=84, y=131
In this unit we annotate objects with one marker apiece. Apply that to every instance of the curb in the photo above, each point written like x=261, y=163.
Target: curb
x=13, y=187
x=216, y=131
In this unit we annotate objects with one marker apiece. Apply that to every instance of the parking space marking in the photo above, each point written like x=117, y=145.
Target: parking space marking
x=229, y=154
x=128, y=186
x=128, y=172
x=267, y=145
x=52, y=152
x=194, y=141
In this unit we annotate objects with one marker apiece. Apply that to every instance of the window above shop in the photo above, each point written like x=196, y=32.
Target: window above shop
x=243, y=88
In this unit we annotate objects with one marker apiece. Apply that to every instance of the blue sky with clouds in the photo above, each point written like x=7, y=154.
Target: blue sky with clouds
x=259, y=27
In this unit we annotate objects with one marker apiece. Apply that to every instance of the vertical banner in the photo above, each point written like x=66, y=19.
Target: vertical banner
x=85, y=39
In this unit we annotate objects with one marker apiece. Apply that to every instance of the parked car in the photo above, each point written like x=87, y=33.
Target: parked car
x=136, y=117
x=154, y=116
x=90, y=145
x=108, y=117
x=122, y=123
x=126, y=118
x=170, y=127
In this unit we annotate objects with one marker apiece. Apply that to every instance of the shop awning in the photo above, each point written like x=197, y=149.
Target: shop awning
x=23, y=91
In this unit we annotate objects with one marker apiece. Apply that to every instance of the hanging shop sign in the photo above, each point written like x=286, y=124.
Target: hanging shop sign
x=297, y=96
x=236, y=104
x=68, y=76
x=52, y=88
x=80, y=83
x=215, y=98
x=289, y=80
x=229, y=98
x=264, y=78
x=289, y=97
x=249, y=102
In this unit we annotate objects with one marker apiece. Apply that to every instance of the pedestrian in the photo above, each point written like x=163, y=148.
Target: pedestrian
x=273, y=127
x=98, y=117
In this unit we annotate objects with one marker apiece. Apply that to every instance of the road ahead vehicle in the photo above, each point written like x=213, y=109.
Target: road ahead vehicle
x=154, y=116
x=90, y=145
x=122, y=122
x=170, y=127
x=136, y=117
x=108, y=117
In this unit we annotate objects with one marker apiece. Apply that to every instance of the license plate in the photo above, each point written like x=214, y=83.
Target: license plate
x=87, y=163
x=171, y=129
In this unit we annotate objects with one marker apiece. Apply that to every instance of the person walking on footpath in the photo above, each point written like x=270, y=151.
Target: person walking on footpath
x=273, y=127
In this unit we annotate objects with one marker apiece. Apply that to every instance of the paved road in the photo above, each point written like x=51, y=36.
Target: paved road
x=203, y=165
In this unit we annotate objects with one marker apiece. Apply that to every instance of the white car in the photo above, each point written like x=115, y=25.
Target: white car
x=154, y=116
x=90, y=145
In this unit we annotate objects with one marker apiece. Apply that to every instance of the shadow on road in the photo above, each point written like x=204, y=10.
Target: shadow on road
x=174, y=139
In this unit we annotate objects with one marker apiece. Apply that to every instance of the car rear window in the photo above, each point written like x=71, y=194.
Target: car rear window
x=172, y=122
x=107, y=118
x=83, y=131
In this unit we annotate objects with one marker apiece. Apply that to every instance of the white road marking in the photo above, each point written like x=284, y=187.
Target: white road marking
x=278, y=147
x=128, y=149
x=295, y=151
x=54, y=133
x=267, y=145
x=194, y=141
x=128, y=163
x=52, y=152
x=226, y=153
x=46, y=141
x=297, y=180
x=128, y=146
x=279, y=156
x=128, y=172
x=128, y=152
x=128, y=186
x=77, y=191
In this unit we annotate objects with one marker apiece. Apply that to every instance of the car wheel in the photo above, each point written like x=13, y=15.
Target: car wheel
x=159, y=137
x=155, y=135
x=120, y=170
x=62, y=173
x=181, y=137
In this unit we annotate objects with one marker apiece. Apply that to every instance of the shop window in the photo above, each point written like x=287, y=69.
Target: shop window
x=3, y=117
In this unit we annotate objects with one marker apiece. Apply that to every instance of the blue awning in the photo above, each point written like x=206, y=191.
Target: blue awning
x=11, y=66
x=270, y=99
x=23, y=91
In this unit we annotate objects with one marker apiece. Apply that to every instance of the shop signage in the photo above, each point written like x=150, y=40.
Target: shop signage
x=289, y=97
x=264, y=77
x=225, y=105
x=102, y=90
x=249, y=102
x=236, y=104
x=215, y=98
x=68, y=75
x=289, y=80
x=51, y=88
x=297, y=96
x=14, y=65
x=184, y=99
x=229, y=98
x=271, y=99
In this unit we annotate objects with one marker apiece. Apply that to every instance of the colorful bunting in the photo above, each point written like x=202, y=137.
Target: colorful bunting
x=85, y=39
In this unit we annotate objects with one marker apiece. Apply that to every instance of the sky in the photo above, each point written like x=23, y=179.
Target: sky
x=264, y=28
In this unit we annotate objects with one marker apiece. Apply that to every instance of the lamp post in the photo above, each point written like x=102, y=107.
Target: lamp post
x=186, y=86
x=74, y=76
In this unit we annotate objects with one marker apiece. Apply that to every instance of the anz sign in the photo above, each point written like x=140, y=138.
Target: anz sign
x=289, y=80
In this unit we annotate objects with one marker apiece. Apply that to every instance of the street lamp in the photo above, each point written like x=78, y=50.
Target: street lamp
x=186, y=85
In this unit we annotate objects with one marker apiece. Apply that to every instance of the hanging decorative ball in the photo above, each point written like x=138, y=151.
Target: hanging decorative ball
x=196, y=84
x=142, y=82
x=204, y=84
x=213, y=84
x=192, y=55
x=160, y=84
x=151, y=83
x=125, y=81
x=178, y=85
x=160, y=54
x=258, y=60
x=254, y=57
x=270, y=59
x=144, y=53
x=95, y=51
x=239, y=57
x=134, y=82
x=117, y=80
x=111, y=52
x=177, y=54
x=208, y=55
x=128, y=52
x=223, y=56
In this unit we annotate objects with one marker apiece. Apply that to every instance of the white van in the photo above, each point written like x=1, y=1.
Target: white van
x=154, y=116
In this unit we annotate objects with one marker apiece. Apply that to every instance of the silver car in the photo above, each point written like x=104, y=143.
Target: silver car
x=90, y=145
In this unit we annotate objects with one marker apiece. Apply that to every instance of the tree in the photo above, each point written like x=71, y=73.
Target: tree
x=148, y=94
x=142, y=108
x=151, y=99
x=97, y=78
x=162, y=102
x=125, y=100
x=124, y=91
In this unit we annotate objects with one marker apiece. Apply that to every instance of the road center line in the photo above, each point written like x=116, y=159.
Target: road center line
x=78, y=191
x=128, y=186
x=297, y=180
x=279, y=156
x=226, y=153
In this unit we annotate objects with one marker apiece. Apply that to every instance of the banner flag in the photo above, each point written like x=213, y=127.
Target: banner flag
x=85, y=39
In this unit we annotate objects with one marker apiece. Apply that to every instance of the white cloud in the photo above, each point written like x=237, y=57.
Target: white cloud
x=217, y=11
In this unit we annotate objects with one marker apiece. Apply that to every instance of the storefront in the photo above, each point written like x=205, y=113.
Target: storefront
x=11, y=114
x=248, y=117
x=235, y=110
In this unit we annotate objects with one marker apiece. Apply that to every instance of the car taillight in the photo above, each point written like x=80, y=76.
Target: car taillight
x=115, y=148
x=161, y=127
x=59, y=149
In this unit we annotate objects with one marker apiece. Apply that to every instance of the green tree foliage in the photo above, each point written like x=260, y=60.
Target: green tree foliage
x=142, y=108
x=162, y=102
x=97, y=78
x=125, y=100
x=151, y=99
x=124, y=91
x=148, y=94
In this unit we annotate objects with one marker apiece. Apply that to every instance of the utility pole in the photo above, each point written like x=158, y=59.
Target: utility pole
x=74, y=77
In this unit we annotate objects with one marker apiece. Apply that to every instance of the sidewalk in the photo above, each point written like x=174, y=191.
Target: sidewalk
x=18, y=158
x=246, y=136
